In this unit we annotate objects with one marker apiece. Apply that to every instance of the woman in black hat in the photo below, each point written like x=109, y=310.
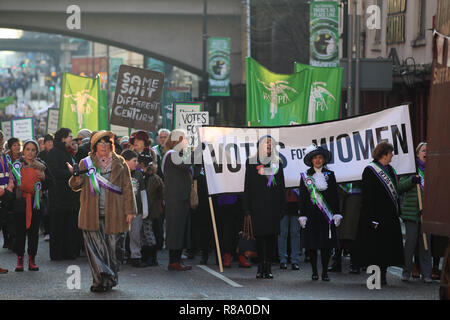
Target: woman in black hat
x=265, y=201
x=318, y=208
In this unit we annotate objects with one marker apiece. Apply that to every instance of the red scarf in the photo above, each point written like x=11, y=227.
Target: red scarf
x=29, y=178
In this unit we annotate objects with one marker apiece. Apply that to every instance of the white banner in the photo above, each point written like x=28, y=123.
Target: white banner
x=351, y=142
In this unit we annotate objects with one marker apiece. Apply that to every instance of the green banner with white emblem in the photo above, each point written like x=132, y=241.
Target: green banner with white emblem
x=325, y=92
x=219, y=66
x=275, y=99
x=324, y=34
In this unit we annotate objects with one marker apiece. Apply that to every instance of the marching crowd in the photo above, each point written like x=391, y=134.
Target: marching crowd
x=123, y=200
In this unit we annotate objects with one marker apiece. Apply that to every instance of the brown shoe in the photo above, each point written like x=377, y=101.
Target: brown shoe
x=176, y=266
x=2, y=271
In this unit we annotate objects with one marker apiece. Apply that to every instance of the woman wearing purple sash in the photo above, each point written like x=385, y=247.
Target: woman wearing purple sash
x=318, y=209
x=107, y=207
x=379, y=240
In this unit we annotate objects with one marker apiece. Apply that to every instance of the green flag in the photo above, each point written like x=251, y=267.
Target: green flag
x=79, y=103
x=325, y=92
x=275, y=99
x=103, y=111
x=6, y=101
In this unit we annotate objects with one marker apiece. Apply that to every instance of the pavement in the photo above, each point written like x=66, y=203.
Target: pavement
x=200, y=283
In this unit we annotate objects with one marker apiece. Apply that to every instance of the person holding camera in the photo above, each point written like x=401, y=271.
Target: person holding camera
x=140, y=194
x=107, y=208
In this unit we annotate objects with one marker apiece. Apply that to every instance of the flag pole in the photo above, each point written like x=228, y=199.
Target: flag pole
x=419, y=197
x=216, y=238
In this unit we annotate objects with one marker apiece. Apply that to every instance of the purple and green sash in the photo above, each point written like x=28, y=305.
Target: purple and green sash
x=37, y=189
x=97, y=180
x=15, y=169
x=388, y=182
x=422, y=178
x=317, y=197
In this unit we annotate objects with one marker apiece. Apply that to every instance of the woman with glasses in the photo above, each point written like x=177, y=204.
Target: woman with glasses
x=107, y=207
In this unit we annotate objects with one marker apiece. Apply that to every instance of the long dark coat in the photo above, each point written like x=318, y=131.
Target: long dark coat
x=177, y=189
x=350, y=209
x=201, y=222
x=382, y=246
x=61, y=196
x=316, y=233
x=266, y=205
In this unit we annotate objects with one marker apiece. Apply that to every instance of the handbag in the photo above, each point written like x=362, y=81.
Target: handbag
x=194, y=195
x=247, y=241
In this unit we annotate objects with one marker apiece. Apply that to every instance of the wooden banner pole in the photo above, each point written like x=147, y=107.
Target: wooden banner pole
x=213, y=219
x=419, y=197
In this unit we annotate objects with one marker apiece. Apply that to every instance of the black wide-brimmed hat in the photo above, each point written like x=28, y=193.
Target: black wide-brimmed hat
x=313, y=151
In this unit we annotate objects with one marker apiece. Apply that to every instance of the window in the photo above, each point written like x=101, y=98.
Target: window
x=395, y=23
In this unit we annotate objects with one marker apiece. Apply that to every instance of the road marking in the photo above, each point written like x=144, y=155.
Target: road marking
x=262, y=298
x=221, y=277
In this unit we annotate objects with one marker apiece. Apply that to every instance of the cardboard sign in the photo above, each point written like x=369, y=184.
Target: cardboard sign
x=137, y=98
x=22, y=129
x=52, y=120
x=181, y=107
x=120, y=131
x=191, y=121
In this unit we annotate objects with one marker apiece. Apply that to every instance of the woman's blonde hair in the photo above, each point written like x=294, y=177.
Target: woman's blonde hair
x=423, y=143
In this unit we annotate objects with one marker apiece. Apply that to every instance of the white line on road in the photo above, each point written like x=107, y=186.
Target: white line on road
x=221, y=277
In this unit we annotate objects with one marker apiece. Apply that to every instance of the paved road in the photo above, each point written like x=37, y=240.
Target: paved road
x=200, y=283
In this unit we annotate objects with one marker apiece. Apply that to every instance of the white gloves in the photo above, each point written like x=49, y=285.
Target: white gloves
x=302, y=221
x=337, y=219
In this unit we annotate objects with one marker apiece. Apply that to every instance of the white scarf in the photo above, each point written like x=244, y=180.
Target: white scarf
x=319, y=180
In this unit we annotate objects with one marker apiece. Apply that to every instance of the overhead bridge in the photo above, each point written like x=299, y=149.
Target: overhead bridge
x=168, y=30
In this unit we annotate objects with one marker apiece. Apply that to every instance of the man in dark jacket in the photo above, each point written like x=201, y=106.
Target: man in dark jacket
x=65, y=237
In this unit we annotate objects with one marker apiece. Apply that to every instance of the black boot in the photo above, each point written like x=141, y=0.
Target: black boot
x=383, y=276
x=354, y=269
x=152, y=253
x=337, y=262
x=268, y=271
x=259, y=273
x=204, y=258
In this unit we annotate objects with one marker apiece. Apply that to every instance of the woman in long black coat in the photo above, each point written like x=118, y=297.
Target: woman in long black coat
x=379, y=240
x=319, y=232
x=265, y=201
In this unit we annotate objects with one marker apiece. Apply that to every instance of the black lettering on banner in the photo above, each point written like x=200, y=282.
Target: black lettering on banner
x=218, y=166
x=349, y=148
x=378, y=133
x=283, y=158
x=323, y=144
x=247, y=146
x=236, y=155
x=397, y=136
x=366, y=149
